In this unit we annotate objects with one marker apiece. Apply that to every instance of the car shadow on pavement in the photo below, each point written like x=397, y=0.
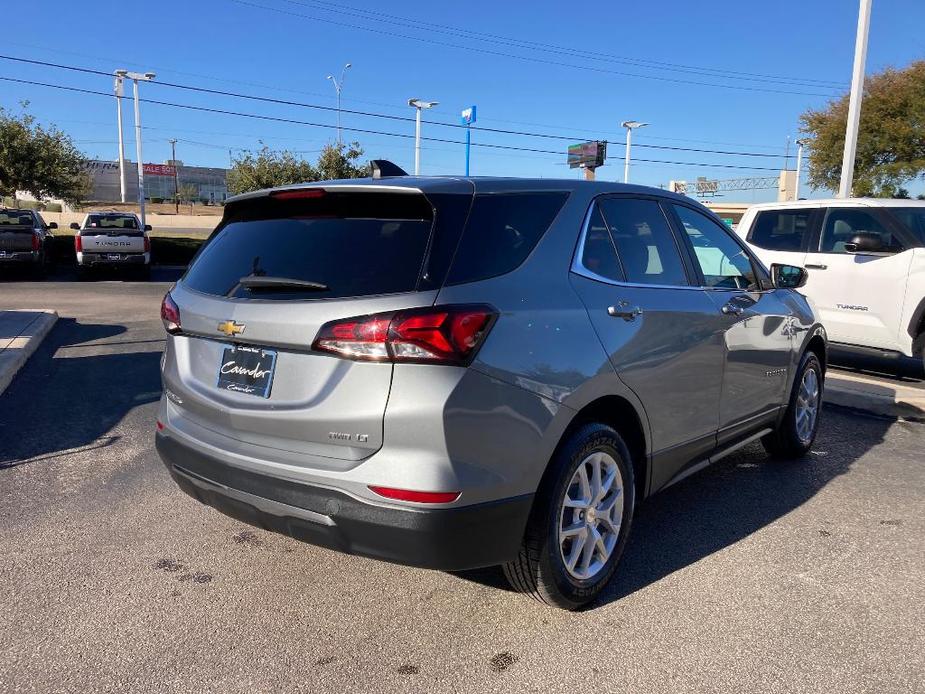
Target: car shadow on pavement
x=726, y=503
x=65, y=399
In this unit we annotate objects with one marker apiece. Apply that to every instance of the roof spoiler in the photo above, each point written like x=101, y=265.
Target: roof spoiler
x=383, y=167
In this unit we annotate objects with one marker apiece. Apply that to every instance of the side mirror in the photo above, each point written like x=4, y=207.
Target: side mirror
x=75, y=226
x=788, y=276
x=865, y=242
x=53, y=225
x=147, y=227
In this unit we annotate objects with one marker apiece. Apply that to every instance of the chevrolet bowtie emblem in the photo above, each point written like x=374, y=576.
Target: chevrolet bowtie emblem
x=229, y=327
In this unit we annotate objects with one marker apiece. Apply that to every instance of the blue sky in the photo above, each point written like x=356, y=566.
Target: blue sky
x=540, y=67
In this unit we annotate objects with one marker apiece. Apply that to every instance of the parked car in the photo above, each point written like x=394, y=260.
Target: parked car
x=25, y=239
x=866, y=262
x=112, y=239
x=463, y=372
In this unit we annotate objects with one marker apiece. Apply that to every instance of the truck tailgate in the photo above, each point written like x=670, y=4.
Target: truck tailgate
x=122, y=242
x=16, y=238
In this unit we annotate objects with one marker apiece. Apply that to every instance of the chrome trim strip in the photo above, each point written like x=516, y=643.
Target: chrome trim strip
x=274, y=508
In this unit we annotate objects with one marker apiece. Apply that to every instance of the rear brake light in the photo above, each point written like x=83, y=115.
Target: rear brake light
x=298, y=194
x=170, y=314
x=437, y=335
x=420, y=497
x=36, y=242
x=147, y=244
x=78, y=244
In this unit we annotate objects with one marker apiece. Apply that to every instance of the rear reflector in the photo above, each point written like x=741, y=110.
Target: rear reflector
x=298, y=194
x=170, y=314
x=419, y=497
x=159, y=424
x=433, y=335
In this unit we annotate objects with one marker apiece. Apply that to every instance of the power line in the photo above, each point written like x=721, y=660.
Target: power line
x=533, y=59
x=292, y=121
x=406, y=119
x=460, y=32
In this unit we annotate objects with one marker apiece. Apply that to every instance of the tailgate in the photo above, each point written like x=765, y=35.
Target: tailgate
x=102, y=242
x=17, y=238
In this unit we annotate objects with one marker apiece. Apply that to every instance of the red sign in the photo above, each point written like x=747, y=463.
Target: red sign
x=159, y=170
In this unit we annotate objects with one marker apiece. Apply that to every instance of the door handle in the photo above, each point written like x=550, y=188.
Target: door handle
x=816, y=267
x=731, y=309
x=623, y=312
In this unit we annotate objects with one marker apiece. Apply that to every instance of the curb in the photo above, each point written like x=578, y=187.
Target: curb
x=877, y=397
x=15, y=350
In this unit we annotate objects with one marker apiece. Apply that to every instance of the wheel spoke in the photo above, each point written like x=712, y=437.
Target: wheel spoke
x=595, y=477
x=572, y=531
x=587, y=553
x=583, y=481
x=575, y=552
x=605, y=507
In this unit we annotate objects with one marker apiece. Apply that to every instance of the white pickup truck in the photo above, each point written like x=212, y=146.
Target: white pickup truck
x=112, y=239
x=866, y=262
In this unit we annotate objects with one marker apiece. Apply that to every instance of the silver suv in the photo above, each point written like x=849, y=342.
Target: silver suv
x=463, y=372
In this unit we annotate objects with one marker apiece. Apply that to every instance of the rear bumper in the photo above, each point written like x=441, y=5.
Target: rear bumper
x=449, y=539
x=20, y=256
x=91, y=259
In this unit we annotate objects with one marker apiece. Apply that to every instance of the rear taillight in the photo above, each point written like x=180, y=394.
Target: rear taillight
x=170, y=314
x=147, y=245
x=78, y=244
x=433, y=335
x=36, y=242
x=412, y=495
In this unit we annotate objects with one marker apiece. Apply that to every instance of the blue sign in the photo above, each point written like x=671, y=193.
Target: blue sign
x=468, y=115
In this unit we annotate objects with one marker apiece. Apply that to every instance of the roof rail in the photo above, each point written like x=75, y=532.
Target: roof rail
x=383, y=167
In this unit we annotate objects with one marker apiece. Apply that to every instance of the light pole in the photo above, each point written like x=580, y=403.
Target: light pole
x=419, y=105
x=176, y=183
x=468, y=118
x=796, y=185
x=854, y=103
x=118, y=89
x=338, y=87
x=630, y=125
x=136, y=77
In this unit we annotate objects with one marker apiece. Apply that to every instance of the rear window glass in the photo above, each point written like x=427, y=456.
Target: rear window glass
x=502, y=230
x=780, y=230
x=15, y=217
x=96, y=221
x=346, y=244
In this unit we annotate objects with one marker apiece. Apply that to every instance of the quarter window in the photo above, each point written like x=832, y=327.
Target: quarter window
x=841, y=224
x=645, y=244
x=723, y=262
x=780, y=230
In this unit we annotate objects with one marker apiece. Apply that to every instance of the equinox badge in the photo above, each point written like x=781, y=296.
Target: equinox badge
x=230, y=328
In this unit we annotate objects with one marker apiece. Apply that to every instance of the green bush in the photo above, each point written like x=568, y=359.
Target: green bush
x=53, y=207
x=157, y=200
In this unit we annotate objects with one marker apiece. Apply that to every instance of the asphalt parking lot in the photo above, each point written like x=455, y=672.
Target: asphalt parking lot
x=750, y=576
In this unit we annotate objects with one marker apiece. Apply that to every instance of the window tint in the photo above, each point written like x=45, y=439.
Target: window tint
x=723, y=262
x=598, y=254
x=502, y=230
x=913, y=218
x=356, y=244
x=112, y=221
x=780, y=230
x=841, y=224
x=15, y=217
x=645, y=244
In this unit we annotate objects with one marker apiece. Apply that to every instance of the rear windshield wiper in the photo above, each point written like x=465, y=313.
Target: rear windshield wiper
x=266, y=283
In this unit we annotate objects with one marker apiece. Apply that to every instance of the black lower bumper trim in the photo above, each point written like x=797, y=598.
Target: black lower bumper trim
x=449, y=539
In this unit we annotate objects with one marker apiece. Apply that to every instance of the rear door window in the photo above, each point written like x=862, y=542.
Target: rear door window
x=502, y=230
x=841, y=224
x=781, y=230
x=345, y=244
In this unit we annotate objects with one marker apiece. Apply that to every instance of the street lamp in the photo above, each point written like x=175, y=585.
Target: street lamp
x=796, y=185
x=136, y=77
x=338, y=86
x=419, y=105
x=854, y=101
x=630, y=126
x=118, y=89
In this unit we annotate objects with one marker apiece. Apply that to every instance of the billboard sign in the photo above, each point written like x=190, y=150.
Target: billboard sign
x=587, y=154
x=159, y=170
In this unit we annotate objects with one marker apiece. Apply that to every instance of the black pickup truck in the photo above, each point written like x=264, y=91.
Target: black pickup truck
x=25, y=239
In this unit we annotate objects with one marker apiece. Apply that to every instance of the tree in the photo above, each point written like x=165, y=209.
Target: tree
x=891, y=138
x=39, y=160
x=188, y=193
x=267, y=168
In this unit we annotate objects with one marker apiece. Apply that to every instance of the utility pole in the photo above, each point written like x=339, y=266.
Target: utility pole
x=135, y=77
x=118, y=88
x=854, y=103
x=796, y=186
x=176, y=183
x=630, y=125
x=338, y=87
x=419, y=105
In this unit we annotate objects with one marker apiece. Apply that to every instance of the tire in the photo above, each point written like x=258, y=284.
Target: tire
x=541, y=568
x=793, y=438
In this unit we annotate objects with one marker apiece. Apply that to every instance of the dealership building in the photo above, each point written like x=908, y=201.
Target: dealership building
x=160, y=180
